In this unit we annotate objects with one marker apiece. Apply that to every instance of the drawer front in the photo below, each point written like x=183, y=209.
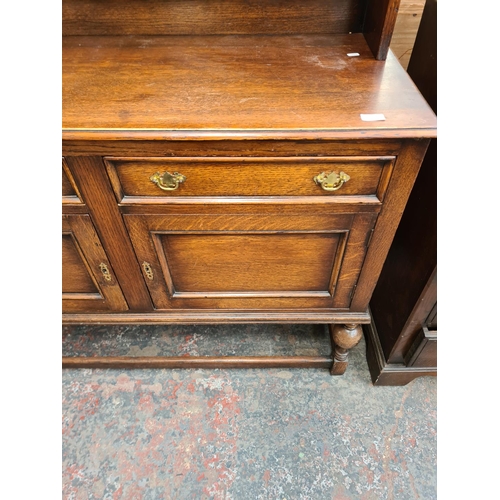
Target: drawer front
x=250, y=262
x=349, y=179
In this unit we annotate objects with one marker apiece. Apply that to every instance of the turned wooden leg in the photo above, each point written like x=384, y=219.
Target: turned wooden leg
x=344, y=337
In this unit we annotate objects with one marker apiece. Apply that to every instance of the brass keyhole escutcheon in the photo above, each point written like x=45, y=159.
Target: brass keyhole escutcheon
x=148, y=271
x=331, y=181
x=105, y=271
x=167, y=181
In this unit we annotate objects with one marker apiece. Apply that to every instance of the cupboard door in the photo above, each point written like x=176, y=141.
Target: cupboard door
x=258, y=261
x=88, y=281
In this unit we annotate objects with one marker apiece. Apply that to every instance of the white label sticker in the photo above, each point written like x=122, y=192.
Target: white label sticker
x=353, y=54
x=373, y=117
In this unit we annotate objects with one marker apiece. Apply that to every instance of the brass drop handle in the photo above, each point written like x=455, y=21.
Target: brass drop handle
x=331, y=181
x=167, y=181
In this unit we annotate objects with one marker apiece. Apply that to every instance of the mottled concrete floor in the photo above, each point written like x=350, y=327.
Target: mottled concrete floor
x=240, y=434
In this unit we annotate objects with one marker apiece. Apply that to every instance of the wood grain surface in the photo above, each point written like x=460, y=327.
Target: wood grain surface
x=205, y=362
x=379, y=24
x=236, y=86
x=90, y=175
x=405, y=29
x=213, y=316
x=405, y=171
x=84, y=285
x=251, y=177
x=250, y=261
x=101, y=143
x=76, y=277
x=70, y=194
x=205, y=17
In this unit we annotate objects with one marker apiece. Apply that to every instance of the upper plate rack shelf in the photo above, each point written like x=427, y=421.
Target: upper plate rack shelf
x=374, y=18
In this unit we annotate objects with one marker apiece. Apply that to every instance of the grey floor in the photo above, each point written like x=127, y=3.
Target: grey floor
x=240, y=434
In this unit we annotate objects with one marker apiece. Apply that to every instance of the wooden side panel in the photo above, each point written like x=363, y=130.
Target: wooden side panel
x=423, y=352
x=422, y=66
x=379, y=25
x=405, y=171
x=88, y=279
x=423, y=304
x=384, y=373
x=431, y=320
x=205, y=17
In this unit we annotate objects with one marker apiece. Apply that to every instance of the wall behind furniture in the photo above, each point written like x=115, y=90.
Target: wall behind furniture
x=405, y=31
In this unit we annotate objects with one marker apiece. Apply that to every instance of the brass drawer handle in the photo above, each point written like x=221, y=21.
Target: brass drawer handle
x=167, y=181
x=331, y=181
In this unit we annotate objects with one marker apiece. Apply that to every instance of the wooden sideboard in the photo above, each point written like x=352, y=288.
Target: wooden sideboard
x=218, y=166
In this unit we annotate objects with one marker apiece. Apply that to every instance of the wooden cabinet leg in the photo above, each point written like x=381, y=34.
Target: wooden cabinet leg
x=343, y=337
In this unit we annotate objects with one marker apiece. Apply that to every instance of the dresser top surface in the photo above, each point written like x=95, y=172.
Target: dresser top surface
x=300, y=86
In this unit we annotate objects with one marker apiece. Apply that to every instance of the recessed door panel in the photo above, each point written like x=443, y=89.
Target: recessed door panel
x=70, y=194
x=249, y=263
x=88, y=280
x=76, y=276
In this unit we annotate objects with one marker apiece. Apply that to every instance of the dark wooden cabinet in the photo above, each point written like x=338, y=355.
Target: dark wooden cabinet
x=235, y=176
x=402, y=338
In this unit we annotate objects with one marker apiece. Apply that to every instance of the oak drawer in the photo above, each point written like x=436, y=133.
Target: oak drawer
x=200, y=178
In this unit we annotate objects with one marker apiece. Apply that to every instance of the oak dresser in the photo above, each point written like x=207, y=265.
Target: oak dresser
x=233, y=161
